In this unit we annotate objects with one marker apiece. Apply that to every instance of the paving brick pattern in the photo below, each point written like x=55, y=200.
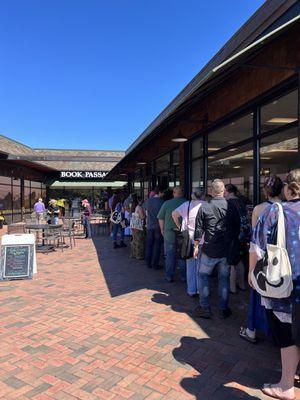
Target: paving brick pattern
x=94, y=324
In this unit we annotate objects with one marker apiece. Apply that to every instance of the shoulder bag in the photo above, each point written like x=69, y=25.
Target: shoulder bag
x=185, y=246
x=272, y=275
x=136, y=222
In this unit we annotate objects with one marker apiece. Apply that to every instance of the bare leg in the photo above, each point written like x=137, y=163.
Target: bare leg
x=285, y=387
x=289, y=359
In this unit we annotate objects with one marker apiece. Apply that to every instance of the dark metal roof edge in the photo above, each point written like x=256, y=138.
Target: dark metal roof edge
x=206, y=70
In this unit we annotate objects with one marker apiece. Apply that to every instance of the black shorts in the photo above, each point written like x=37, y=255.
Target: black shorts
x=296, y=313
x=281, y=331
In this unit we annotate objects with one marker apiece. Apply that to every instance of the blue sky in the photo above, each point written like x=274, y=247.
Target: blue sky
x=93, y=74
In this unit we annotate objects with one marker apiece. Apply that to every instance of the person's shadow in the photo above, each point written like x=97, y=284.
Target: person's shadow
x=224, y=365
x=217, y=380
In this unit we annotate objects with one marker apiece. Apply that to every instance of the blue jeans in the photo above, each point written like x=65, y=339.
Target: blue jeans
x=154, y=241
x=170, y=262
x=54, y=220
x=87, y=226
x=115, y=230
x=192, y=276
x=206, y=267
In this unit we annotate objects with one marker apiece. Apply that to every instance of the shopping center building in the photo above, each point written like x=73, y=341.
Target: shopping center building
x=27, y=174
x=237, y=120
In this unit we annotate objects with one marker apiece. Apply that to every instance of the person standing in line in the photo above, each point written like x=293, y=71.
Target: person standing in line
x=53, y=212
x=257, y=318
x=211, y=221
x=154, y=237
x=283, y=314
x=239, y=232
x=86, y=215
x=39, y=208
x=167, y=226
x=187, y=212
x=117, y=207
x=138, y=232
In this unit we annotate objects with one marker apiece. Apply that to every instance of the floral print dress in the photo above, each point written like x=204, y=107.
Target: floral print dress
x=262, y=234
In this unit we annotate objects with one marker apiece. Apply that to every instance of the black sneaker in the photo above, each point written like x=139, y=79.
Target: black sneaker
x=225, y=313
x=158, y=267
x=200, y=312
x=123, y=244
x=116, y=245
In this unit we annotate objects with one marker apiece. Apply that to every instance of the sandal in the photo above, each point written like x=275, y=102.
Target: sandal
x=268, y=390
x=244, y=335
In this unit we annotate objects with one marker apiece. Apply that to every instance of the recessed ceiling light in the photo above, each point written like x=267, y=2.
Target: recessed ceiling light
x=141, y=163
x=236, y=167
x=213, y=148
x=277, y=121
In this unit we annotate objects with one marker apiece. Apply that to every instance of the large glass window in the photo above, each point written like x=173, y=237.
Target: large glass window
x=5, y=199
x=235, y=166
x=16, y=199
x=162, y=164
x=5, y=180
x=197, y=176
x=234, y=132
x=27, y=199
x=197, y=162
x=279, y=153
x=280, y=112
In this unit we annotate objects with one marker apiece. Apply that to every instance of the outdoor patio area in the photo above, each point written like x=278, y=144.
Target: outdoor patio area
x=95, y=324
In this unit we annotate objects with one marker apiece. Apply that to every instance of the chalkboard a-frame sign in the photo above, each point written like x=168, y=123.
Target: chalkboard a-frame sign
x=16, y=262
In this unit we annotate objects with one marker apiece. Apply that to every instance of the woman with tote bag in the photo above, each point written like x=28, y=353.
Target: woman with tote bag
x=275, y=252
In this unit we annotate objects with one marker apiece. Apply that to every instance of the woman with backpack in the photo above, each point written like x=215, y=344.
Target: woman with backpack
x=278, y=228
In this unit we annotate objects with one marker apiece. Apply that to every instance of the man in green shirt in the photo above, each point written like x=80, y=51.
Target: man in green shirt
x=167, y=225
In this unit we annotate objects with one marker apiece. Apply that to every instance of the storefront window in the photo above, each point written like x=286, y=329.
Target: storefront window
x=36, y=184
x=5, y=180
x=236, y=167
x=197, y=176
x=197, y=162
x=5, y=199
x=280, y=112
x=162, y=164
x=16, y=200
x=197, y=147
x=27, y=199
x=279, y=153
x=234, y=132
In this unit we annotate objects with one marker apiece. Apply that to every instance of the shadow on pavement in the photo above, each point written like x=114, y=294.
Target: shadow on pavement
x=227, y=365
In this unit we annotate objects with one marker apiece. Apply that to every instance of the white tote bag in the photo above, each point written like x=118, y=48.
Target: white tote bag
x=272, y=275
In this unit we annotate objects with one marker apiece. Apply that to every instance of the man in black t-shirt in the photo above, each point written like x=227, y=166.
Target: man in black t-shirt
x=211, y=226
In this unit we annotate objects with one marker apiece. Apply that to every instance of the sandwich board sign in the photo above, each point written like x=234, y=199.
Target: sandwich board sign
x=18, y=258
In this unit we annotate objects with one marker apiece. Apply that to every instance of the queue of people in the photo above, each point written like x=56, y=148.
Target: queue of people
x=220, y=238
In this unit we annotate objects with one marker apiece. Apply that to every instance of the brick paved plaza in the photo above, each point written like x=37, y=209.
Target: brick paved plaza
x=94, y=324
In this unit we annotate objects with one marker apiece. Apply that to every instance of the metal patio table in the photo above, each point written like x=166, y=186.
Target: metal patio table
x=42, y=248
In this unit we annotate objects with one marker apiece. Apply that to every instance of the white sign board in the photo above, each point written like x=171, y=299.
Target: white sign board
x=18, y=257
